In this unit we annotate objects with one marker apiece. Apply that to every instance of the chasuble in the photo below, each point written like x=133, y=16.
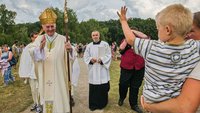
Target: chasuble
x=52, y=73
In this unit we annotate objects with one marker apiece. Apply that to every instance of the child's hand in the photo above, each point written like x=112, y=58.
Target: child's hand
x=122, y=13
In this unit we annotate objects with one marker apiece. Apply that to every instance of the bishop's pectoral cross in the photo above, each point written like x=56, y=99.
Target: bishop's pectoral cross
x=49, y=83
x=50, y=43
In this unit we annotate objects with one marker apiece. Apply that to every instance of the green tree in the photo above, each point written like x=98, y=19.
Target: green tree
x=86, y=27
x=146, y=26
x=72, y=23
x=6, y=18
x=80, y=32
x=114, y=31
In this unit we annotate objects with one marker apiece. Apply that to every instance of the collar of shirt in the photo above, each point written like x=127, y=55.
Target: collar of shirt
x=51, y=38
x=96, y=43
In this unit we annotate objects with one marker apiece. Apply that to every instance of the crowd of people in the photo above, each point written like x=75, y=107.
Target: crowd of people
x=169, y=66
x=8, y=60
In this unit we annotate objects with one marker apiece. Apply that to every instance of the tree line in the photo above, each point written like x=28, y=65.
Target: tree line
x=78, y=31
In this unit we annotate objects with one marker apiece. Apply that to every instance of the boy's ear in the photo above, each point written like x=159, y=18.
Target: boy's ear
x=168, y=29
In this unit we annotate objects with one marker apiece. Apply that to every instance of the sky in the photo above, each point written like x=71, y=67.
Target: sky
x=29, y=10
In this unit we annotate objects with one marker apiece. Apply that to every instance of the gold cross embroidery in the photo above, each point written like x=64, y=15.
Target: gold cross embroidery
x=49, y=107
x=49, y=83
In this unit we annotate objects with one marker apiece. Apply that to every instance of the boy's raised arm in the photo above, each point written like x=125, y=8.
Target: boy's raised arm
x=130, y=37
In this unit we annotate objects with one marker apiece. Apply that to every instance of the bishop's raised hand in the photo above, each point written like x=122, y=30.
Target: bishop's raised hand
x=43, y=42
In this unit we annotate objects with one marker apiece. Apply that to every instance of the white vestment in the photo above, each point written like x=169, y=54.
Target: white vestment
x=75, y=72
x=52, y=73
x=27, y=70
x=98, y=74
x=75, y=67
x=26, y=66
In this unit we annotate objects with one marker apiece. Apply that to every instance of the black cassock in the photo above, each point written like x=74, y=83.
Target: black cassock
x=98, y=95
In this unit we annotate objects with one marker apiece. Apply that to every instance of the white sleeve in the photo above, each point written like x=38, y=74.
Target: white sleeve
x=34, y=49
x=39, y=55
x=25, y=64
x=106, y=59
x=87, y=57
x=75, y=72
x=72, y=54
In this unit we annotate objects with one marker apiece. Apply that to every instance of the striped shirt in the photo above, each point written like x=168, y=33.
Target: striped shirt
x=166, y=67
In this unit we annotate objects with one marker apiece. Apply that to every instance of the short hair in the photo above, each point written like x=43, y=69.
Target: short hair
x=196, y=19
x=95, y=31
x=15, y=42
x=134, y=28
x=178, y=17
x=33, y=33
x=5, y=45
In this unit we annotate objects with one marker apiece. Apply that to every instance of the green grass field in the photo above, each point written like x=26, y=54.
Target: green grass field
x=112, y=106
x=17, y=96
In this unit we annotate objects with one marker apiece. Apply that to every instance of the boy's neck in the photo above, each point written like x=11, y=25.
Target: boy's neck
x=176, y=41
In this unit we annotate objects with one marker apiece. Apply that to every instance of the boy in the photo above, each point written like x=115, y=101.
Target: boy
x=169, y=60
x=27, y=70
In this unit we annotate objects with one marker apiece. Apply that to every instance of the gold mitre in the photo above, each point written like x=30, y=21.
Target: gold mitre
x=48, y=17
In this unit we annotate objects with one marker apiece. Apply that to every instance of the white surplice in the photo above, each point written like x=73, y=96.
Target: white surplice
x=75, y=72
x=98, y=74
x=75, y=67
x=26, y=66
x=27, y=70
x=52, y=73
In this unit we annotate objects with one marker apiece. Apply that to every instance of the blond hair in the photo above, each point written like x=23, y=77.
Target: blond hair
x=178, y=17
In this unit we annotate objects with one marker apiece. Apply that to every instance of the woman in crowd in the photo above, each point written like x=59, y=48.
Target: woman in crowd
x=6, y=66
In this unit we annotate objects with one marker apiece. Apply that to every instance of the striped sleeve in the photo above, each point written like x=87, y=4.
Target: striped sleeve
x=142, y=46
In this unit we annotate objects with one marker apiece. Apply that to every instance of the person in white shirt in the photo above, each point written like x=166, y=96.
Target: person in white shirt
x=98, y=58
x=27, y=71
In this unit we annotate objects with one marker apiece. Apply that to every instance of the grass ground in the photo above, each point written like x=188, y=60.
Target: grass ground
x=17, y=96
x=113, y=107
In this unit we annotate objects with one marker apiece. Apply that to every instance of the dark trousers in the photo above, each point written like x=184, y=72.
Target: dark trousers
x=131, y=79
